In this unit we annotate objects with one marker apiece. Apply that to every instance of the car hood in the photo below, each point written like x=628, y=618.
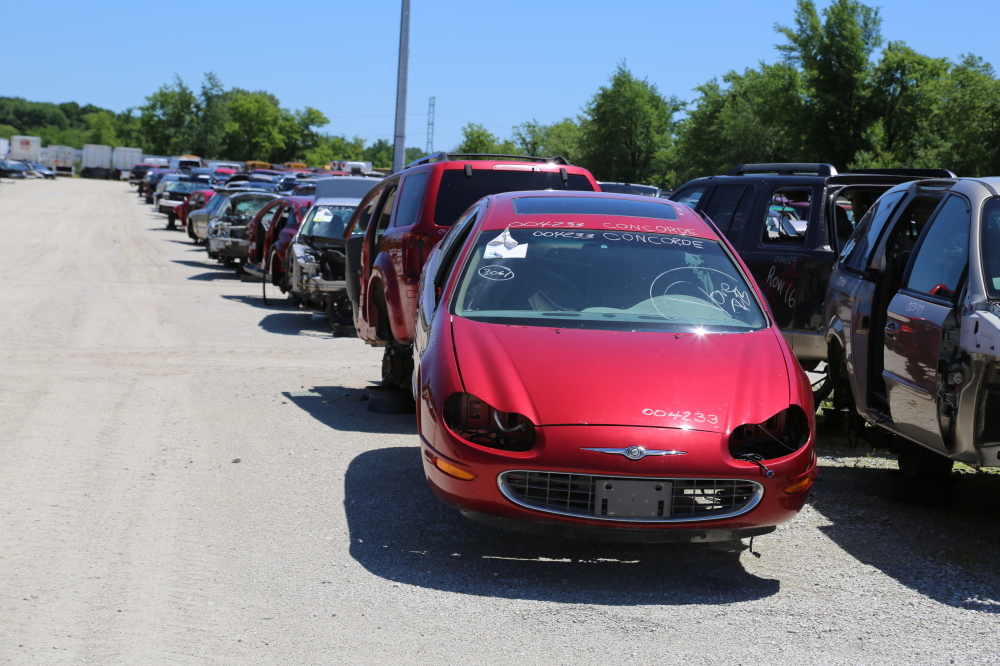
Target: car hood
x=711, y=382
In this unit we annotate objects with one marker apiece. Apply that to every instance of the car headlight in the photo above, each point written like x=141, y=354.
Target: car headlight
x=308, y=258
x=474, y=420
x=782, y=434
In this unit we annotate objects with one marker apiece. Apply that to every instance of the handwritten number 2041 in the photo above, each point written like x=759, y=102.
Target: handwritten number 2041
x=692, y=417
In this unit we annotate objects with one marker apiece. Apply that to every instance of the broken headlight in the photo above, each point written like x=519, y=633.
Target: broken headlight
x=784, y=433
x=474, y=420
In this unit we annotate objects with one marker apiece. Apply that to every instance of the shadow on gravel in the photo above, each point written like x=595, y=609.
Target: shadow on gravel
x=344, y=409
x=293, y=323
x=401, y=532
x=205, y=264
x=939, y=540
x=257, y=301
x=218, y=275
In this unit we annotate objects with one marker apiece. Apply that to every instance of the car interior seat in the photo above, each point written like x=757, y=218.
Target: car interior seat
x=843, y=222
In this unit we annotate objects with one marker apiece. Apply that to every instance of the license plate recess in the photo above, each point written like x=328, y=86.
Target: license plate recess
x=632, y=498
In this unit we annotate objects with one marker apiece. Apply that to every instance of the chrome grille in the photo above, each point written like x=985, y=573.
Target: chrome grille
x=573, y=495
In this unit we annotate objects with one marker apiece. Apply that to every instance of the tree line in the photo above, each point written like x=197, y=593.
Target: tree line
x=838, y=93
x=827, y=99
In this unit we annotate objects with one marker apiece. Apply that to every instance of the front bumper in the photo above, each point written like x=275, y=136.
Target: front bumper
x=229, y=248
x=167, y=205
x=317, y=285
x=558, y=451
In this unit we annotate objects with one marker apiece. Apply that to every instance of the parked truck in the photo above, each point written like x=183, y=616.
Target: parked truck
x=96, y=161
x=26, y=148
x=60, y=159
x=124, y=159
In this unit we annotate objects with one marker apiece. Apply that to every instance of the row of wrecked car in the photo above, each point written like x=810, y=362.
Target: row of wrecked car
x=604, y=365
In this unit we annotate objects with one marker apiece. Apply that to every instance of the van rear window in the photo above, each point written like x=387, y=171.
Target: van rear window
x=457, y=192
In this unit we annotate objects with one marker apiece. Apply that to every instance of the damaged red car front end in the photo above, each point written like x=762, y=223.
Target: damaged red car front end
x=597, y=366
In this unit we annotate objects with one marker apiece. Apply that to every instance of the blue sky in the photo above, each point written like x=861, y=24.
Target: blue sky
x=495, y=63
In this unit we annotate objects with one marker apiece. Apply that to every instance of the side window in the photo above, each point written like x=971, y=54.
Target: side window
x=728, y=208
x=858, y=250
x=364, y=214
x=444, y=259
x=268, y=215
x=689, y=196
x=787, y=216
x=943, y=252
x=990, y=245
x=282, y=220
x=410, y=198
x=383, y=214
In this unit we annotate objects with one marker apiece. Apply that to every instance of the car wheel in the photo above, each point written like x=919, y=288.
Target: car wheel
x=919, y=464
x=397, y=366
x=190, y=232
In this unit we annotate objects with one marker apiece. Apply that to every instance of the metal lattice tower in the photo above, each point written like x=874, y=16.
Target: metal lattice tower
x=430, y=127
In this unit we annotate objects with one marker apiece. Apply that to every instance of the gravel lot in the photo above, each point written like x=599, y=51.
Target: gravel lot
x=133, y=372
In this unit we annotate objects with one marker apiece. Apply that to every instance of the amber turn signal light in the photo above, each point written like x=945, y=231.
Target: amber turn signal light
x=451, y=470
x=801, y=484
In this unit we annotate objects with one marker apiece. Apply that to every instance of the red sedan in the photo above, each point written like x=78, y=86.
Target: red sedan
x=603, y=366
x=196, y=201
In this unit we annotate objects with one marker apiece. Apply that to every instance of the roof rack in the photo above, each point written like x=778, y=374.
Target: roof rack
x=786, y=169
x=916, y=173
x=448, y=157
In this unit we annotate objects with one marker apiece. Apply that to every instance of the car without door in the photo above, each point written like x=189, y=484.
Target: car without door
x=789, y=222
x=227, y=231
x=913, y=327
x=174, y=195
x=603, y=366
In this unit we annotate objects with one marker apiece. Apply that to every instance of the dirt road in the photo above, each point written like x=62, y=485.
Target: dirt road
x=133, y=372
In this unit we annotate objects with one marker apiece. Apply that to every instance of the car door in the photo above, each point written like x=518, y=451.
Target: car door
x=354, y=240
x=855, y=286
x=261, y=227
x=776, y=250
x=921, y=322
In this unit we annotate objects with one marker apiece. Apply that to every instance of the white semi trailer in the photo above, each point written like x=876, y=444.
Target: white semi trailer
x=60, y=159
x=123, y=159
x=96, y=161
x=26, y=148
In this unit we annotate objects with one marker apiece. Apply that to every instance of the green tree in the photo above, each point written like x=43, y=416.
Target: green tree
x=252, y=127
x=103, y=125
x=529, y=138
x=331, y=148
x=476, y=139
x=168, y=119
x=834, y=57
x=379, y=154
x=562, y=139
x=623, y=127
x=212, y=111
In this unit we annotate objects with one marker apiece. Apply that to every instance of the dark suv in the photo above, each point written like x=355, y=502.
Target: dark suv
x=398, y=223
x=789, y=222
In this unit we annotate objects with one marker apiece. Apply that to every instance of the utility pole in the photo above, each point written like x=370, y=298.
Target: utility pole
x=399, y=147
x=430, y=127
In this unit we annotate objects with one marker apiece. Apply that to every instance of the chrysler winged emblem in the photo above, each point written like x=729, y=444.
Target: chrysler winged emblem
x=638, y=453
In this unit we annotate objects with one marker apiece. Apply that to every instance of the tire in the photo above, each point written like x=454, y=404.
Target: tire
x=171, y=220
x=397, y=367
x=919, y=464
x=190, y=233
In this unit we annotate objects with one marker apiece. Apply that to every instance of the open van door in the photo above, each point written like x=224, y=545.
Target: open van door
x=921, y=330
x=354, y=235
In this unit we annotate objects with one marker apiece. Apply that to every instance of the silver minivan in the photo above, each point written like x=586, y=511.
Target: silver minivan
x=912, y=322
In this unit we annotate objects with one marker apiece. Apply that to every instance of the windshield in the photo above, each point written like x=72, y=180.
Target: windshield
x=184, y=186
x=245, y=207
x=991, y=247
x=457, y=192
x=605, y=280
x=15, y=166
x=327, y=221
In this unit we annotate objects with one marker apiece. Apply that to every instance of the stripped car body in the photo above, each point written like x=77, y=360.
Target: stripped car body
x=912, y=319
x=603, y=366
x=227, y=231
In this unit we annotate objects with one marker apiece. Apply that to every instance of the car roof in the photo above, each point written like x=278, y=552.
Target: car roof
x=688, y=223
x=337, y=201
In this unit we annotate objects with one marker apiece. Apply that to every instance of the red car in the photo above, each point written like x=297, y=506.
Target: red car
x=603, y=366
x=270, y=234
x=196, y=201
x=403, y=217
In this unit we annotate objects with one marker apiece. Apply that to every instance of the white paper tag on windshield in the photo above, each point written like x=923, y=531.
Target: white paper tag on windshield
x=323, y=215
x=505, y=247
